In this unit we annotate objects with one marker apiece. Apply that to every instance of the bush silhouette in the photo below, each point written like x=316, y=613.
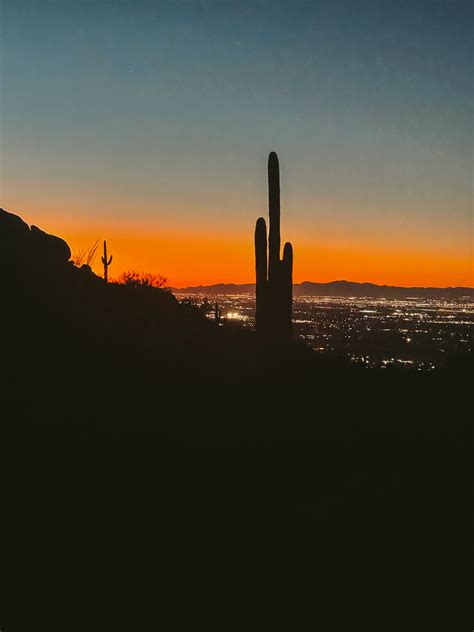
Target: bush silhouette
x=85, y=256
x=142, y=279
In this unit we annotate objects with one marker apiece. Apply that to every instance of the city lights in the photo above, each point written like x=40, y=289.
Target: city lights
x=380, y=333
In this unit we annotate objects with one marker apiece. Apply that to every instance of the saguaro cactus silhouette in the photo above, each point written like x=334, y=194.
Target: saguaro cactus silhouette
x=217, y=313
x=274, y=276
x=106, y=262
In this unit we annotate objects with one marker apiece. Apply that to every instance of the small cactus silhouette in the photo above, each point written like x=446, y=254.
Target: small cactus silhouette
x=217, y=313
x=106, y=262
x=274, y=282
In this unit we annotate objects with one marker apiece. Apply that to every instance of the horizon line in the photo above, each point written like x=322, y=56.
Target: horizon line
x=405, y=287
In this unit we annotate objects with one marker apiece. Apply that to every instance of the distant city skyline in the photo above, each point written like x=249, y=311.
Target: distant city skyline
x=149, y=125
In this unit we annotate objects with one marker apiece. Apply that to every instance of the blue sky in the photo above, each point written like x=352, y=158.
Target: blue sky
x=164, y=112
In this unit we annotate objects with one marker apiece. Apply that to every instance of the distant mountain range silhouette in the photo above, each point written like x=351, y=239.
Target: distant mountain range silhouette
x=338, y=289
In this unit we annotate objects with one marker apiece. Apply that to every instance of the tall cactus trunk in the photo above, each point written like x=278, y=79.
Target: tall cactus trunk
x=274, y=213
x=274, y=282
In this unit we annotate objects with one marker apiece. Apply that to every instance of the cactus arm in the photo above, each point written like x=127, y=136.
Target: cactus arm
x=261, y=251
x=287, y=289
x=288, y=261
x=261, y=273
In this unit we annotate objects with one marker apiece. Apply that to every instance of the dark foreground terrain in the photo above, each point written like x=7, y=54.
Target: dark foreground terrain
x=163, y=473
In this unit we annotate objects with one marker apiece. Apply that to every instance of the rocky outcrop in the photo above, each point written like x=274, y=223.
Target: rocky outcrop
x=22, y=246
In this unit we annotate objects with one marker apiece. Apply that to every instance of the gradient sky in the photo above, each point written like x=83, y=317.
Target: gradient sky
x=149, y=124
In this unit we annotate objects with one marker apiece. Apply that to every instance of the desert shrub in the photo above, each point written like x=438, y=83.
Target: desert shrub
x=142, y=279
x=85, y=256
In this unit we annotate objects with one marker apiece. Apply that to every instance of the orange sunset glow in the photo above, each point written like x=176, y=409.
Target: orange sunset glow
x=189, y=258
x=163, y=152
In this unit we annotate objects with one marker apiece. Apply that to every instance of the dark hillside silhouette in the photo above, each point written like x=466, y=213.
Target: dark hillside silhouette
x=162, y=470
